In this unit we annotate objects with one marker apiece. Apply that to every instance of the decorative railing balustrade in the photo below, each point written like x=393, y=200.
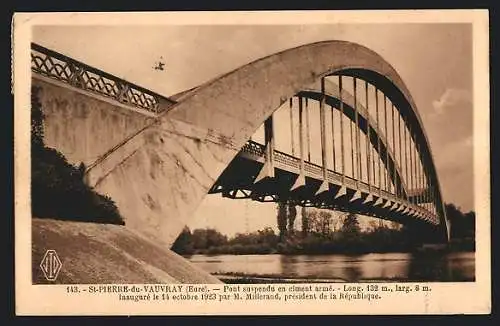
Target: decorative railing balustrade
x=57, y=66
x=254, y=148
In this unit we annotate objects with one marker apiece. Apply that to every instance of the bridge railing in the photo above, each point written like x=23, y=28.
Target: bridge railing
x=292, y=164
x=257, y=149
x=57, y=66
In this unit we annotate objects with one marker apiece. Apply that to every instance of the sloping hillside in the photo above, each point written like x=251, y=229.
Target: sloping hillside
x=104, y=253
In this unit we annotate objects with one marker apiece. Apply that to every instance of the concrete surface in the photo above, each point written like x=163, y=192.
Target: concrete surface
x=104, y=253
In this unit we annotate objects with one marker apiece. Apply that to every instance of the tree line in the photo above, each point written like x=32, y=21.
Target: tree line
x=321, y=233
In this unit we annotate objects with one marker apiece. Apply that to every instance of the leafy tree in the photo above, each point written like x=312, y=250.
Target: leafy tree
x=267, y=236
x=292, y=214
x=351, y=225
x=313, y=221
x=325, y=223
x=470, y=224
x=462, y=225
x=305, y=221
x=282, y=218
x=184, y=243
x=320, y=222
x=207, y=238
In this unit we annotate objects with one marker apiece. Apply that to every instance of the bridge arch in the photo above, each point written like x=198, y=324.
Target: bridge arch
x=171, y=164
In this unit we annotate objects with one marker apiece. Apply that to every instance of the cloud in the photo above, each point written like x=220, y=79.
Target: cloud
x=456, y=153
x=452, y=98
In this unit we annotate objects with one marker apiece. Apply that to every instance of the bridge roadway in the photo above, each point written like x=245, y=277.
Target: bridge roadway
x=234, y=183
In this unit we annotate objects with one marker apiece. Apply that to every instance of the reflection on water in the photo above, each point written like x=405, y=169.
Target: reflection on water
x=456, y=266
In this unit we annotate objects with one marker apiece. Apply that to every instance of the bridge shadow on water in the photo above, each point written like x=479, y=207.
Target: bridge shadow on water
x=444, y=267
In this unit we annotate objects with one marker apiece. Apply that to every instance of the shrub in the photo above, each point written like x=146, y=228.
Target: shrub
x=57, y=187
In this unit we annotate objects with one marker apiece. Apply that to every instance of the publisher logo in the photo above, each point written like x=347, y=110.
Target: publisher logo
x=51, y=265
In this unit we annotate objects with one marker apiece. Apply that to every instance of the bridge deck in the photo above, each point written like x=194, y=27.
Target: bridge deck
x=232, y=181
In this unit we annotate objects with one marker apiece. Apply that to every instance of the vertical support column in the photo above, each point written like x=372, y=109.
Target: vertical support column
x=410, y=154
x=322, y=118
x=426, y=189
x=386, y=133
x=368, y=141
x=301, y=178
x=431, y=195
x=417, y=168
x=267, y=170
x=334, y=168
x=437, y=202
x=397, y=183
x=342, y=191
x=416, y=159
x=388, y=167
x=420, y=177
x=403, y=142
x=424, y=186
x=430, y=200
x=342, y=159
x=434, y=199
x=423, y=176
x=400, y=158
x=308, y=132
x=269, y=137
x=358, y=136
x=413, y=161
x=369, y=198
x=301, y=137
x=352, y=150
x=405, y=136
x=416, y=178
x=379, y=161
x=291, y=126
x=357, y=194
x=394, y=148
x=372, y=151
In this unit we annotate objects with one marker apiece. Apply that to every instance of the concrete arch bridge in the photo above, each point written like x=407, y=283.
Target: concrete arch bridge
x=329, y=124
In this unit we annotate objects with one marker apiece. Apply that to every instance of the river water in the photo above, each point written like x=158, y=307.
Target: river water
x=440, y=267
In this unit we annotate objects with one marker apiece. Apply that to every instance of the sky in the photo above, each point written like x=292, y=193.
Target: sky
x=434, y=61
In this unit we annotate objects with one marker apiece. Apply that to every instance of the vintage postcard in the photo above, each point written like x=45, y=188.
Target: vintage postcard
x=302, y=162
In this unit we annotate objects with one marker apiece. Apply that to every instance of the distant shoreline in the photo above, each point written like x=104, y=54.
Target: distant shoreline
x=241, y=278
x=254, y=278
x=424, y=250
